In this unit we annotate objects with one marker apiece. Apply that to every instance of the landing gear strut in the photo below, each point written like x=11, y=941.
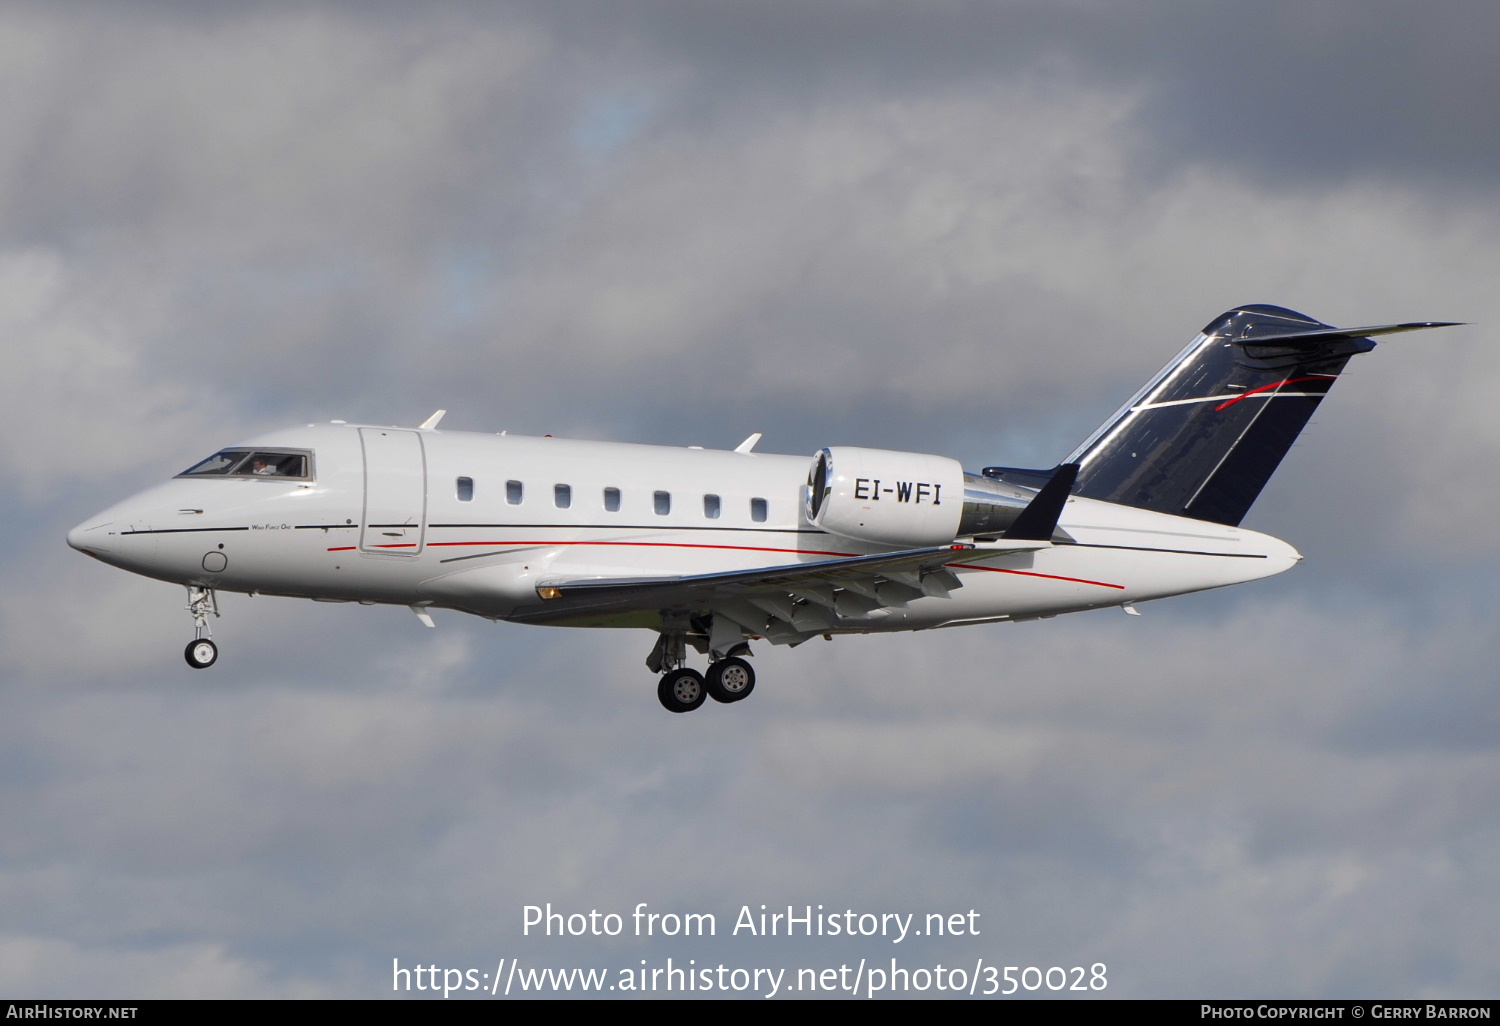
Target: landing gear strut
x=201, y=653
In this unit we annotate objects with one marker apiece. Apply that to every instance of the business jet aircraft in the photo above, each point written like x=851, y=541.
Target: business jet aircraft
x=712, y=550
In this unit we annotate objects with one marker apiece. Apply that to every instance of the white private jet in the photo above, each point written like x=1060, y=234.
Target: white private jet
x=712, y=550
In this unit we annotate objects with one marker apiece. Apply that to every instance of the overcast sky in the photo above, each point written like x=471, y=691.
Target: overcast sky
x=963, y=228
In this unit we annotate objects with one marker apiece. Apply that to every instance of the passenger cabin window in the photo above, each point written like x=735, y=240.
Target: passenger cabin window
x=711, y=507
x=513, y=492
x=758, y=510
x=252, y=463
x=562, y=496
x=662, y=503
x=612, y=500
x=466, y=489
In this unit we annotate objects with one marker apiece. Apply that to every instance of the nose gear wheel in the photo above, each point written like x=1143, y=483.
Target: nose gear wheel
x=201, y=654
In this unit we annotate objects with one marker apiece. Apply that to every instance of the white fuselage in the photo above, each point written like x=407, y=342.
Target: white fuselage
x=478, y=522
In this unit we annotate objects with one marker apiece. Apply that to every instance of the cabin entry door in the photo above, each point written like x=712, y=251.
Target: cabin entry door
x=395, y=512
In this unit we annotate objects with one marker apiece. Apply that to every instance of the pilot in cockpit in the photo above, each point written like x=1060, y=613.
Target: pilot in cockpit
x=239, y=463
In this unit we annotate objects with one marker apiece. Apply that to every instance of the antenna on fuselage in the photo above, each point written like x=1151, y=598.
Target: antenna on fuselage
x=748, y=443
x=431, y=423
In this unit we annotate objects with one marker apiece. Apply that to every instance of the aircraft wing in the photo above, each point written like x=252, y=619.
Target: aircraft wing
x=800, y=595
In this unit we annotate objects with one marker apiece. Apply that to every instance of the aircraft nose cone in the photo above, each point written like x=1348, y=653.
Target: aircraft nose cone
x=90, y=537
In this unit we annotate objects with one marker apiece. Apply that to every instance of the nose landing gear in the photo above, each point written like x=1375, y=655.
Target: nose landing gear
x=201, y=653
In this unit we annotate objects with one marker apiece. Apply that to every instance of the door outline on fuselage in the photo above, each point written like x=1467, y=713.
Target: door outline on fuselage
x=393, y=518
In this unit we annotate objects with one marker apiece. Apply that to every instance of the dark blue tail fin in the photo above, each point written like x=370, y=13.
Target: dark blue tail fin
x=1203, y=437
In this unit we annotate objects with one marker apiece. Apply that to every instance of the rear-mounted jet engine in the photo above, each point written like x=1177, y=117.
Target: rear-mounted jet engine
x=905, y=498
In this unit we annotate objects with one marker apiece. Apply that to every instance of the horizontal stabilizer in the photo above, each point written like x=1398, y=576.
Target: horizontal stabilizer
x=1338, y=334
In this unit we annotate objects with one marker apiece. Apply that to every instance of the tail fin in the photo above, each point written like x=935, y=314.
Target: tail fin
x=1204, y=435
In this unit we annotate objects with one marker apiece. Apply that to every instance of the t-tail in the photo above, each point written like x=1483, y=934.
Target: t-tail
x=1203, y=437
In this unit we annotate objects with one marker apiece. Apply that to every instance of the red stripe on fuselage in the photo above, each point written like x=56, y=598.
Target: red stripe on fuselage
x=1031, y=573
x=648, y=545
x=736, y=548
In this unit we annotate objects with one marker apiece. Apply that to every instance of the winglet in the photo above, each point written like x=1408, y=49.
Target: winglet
x=431, y=422
x=748, y=443
x=1039, y=519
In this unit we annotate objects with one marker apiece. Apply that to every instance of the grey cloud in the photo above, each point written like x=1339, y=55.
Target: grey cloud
x=1289, y=91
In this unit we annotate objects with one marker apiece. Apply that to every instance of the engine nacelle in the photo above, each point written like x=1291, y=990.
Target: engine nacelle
x=908, y=499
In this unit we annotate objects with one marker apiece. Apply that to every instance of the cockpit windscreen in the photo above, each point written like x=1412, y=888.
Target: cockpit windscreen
x=251, y=463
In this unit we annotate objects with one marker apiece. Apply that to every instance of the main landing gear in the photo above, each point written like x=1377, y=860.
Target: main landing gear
x=683, y=689
x=730, y=680
x=201, y=653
